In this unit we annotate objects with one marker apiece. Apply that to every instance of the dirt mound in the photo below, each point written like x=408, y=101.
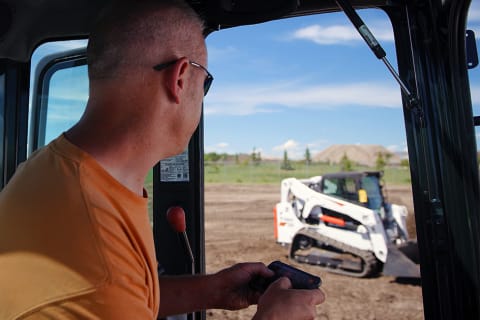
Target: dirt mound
x=361, y=154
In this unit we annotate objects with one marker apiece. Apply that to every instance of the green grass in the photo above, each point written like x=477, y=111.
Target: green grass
x=148, y=184
x=269, y=173
x=149, y=178
x=397, y=175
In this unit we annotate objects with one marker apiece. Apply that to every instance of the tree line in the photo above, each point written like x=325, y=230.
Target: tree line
x=255, y=158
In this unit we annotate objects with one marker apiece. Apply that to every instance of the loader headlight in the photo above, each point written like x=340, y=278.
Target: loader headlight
x=361, y=229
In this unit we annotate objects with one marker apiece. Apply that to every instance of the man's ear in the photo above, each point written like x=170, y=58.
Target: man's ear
x=176, y=78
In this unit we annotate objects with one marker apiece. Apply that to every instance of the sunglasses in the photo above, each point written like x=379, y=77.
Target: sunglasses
x=208, y=80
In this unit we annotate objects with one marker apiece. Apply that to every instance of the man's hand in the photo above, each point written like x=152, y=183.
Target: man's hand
x=232, y=285
x=281, y=302
x=230, y=289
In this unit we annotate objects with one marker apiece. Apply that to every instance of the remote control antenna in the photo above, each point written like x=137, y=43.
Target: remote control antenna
x=176, y=218
x=374, y=46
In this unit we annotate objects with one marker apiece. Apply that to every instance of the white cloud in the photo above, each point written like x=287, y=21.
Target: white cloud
x=266, y=98
x=341, y=34
x=398, y=148
x=326, y=35
x=289, y=144
x=246, y=99
x=295, y=150
x=475, y=94
x=222, y=145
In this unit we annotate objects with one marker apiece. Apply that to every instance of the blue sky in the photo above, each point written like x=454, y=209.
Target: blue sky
x=306, y=82
x=291, y=84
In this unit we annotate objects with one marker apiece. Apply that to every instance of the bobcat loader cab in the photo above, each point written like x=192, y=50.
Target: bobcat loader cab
x=433, y=79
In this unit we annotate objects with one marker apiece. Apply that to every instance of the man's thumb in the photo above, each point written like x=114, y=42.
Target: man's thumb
x=282, y=283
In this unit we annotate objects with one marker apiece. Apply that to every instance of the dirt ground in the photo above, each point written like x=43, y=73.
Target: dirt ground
x=239, y=228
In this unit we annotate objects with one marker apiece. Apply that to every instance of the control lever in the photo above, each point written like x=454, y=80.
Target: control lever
x=299, y=279
x=176, y=219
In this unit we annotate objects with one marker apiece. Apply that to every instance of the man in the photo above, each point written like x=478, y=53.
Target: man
x=75, y=241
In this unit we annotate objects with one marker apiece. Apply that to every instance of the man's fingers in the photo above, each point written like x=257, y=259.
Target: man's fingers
x=282, y=283
x=257, y=268
x=318, y=296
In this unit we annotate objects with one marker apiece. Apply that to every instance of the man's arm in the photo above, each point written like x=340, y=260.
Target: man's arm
x=229, y=289
x=185, y=294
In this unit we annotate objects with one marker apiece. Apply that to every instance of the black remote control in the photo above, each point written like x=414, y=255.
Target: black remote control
x=299, y=279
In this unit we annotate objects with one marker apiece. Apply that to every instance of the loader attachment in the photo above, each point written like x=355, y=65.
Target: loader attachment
x=399, y=264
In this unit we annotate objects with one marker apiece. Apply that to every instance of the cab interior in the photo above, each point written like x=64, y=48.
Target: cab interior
x=431, y=54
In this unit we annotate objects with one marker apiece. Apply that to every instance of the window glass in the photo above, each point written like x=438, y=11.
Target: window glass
x=291, y=98
x=57, y=105
x=473, y=23
x=350, y=188
x=67, y=98
x=330, y=187
x=371, y=185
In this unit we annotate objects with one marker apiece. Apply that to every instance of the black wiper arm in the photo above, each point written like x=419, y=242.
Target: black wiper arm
x=374, y=46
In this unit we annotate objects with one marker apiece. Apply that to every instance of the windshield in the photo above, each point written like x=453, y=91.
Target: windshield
x=371, y=184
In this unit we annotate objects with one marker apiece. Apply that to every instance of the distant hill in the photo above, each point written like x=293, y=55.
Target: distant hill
x=359, y=154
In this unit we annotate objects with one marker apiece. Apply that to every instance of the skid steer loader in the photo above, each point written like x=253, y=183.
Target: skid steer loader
x=342, y=222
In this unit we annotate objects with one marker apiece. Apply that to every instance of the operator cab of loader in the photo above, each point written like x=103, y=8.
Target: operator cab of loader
x=364, y=188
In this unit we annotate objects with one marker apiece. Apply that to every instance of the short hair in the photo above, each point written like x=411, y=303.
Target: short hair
x=131, y=32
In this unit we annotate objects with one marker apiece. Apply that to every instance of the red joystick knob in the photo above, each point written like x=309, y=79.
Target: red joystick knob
x=176, y=218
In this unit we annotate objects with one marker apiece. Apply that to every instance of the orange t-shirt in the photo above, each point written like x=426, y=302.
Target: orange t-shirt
x=74, y=242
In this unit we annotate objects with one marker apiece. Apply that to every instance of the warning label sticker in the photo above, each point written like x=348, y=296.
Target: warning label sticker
x=175, y=169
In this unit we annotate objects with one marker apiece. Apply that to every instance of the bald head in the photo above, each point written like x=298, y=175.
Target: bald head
x=140, y=34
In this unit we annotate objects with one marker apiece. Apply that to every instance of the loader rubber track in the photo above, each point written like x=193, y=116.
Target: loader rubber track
x=369, y=265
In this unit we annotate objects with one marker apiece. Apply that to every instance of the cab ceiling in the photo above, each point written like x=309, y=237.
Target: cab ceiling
x=25, y=24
